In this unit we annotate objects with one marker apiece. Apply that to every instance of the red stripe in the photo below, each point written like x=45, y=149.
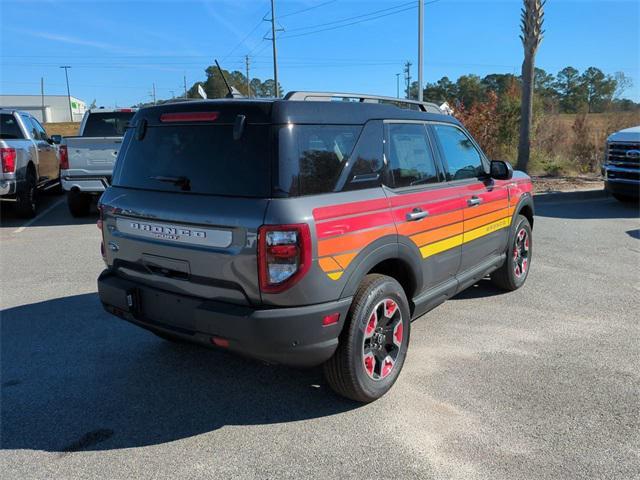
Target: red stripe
x=351, y=224
x=332, y=211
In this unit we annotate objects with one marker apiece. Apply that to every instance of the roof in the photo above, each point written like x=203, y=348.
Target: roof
x=280, y=111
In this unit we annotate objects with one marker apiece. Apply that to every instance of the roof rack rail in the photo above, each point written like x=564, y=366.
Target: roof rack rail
x=364, y=98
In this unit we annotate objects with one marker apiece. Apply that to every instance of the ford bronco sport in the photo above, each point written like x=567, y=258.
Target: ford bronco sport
x=306, y=232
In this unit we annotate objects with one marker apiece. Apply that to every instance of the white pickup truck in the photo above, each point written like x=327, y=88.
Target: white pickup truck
x=87, y=161
x=28, y=161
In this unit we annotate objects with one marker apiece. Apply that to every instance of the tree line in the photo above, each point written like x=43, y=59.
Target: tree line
x=569, y=91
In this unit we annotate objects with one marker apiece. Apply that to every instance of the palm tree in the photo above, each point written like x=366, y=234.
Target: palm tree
x=532, y=20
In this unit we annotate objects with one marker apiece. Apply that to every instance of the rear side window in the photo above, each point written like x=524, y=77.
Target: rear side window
x=313, y=156
x=462, y=157
x=106, y=124
x=411, y=160
x=9, y=128
x=202, y=159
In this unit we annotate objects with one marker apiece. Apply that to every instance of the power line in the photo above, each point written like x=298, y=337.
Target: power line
x=246, y=37
x=307, y=9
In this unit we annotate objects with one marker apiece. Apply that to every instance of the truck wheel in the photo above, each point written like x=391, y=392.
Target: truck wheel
x=624, y=198
x=515, y=269
x=373, y=344
x=79, y=203
x=27, y=199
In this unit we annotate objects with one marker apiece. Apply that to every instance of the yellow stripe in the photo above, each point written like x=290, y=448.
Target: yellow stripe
x=441, y=246
x=486, y=229
x=335, y=275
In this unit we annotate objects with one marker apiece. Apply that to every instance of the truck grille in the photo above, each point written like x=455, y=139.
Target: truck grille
x=625, y=155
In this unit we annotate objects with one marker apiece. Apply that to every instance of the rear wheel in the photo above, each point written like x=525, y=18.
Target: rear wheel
x=374, y=341
x=79, y=203
x=515, y=269
x=27, y=199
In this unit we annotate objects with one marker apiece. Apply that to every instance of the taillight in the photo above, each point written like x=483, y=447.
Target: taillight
x=284, y=255
x=8, y=156
x=101, y=217
x=64, y=157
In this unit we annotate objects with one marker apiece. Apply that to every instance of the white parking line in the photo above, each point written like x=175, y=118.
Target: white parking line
x=38, y=217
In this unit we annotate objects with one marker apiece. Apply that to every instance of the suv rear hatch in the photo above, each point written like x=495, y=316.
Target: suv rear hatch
x=190, y=189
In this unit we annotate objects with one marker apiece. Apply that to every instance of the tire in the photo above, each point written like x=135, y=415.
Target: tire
x=515, y=270
x=27, y=198
x=374, y=341
x=79, y=203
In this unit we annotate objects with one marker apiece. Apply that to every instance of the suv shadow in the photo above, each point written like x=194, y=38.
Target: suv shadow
x=74, y=378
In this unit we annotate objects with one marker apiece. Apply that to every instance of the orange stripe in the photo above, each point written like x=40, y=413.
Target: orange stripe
x=437, y=234
x=354, y=241
x=484, y=219
x=328, y=264
x=345, y=259
x=485, y=208
x=429, y=223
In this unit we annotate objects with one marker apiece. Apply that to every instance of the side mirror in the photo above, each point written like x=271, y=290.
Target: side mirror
x=57, y=139
x=501, y=170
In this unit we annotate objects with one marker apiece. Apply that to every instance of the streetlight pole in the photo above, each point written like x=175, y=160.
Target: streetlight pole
x=397, y=85
x=66, y=74
x=420, y=46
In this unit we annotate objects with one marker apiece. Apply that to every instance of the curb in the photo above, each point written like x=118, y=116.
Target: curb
x=570, y=196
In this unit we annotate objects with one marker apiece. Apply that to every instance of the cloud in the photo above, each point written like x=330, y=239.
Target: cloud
x=107, y=47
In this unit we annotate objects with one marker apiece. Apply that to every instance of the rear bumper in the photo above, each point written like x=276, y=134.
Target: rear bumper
x=85, y=184
x=290, y=336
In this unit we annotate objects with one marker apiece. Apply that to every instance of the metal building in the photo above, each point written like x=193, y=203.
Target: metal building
x=47, y=108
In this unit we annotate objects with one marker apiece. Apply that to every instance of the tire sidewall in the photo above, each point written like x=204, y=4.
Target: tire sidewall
x=521, y=222
x=387, y=288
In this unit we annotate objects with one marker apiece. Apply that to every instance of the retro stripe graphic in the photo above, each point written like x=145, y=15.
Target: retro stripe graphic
x=344, y=230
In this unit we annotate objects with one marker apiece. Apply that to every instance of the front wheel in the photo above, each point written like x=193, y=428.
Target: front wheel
x=515, y=269
x=373, y=345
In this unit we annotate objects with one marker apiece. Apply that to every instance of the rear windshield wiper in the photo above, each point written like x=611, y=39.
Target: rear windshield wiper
x=183, y=182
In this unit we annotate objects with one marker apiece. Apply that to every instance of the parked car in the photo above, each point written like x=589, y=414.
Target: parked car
x=87, y=160
x=621, y=167
x=306, y=232
x=29, y=162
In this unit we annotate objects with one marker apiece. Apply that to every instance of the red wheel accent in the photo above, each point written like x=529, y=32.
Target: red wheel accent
x=387, y=366
x=521, y=253
x=371, y=324
x=390, y=308
x=397, y=334
x=369, y=363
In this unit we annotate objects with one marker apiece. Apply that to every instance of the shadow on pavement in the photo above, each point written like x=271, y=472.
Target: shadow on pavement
x=74, y=378
x=58, y=216
x=565, y=205
x=634, y=233
x=483, y=289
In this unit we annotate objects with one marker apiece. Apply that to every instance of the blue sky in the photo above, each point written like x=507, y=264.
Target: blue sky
x=118, y=49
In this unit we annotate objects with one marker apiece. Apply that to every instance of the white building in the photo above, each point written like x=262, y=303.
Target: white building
x=47, y=108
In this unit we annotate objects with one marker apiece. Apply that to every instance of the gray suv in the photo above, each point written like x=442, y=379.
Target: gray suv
x=306, y=232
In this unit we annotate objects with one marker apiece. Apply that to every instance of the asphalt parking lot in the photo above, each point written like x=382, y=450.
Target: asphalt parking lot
x=540, y=383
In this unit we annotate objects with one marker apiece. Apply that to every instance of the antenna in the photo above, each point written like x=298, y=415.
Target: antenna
x=230, y=94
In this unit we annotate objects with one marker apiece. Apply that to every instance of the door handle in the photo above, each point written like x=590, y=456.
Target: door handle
x=417, y=214
x=473, y=201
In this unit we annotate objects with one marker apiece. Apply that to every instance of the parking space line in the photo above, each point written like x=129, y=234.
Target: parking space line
x=38, y=217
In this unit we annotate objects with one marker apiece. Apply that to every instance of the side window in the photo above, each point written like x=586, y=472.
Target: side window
x=462, y=157
x=411, y=161
x=365, y=164
x=40, y=129
x=28, y=124
x=9, y=128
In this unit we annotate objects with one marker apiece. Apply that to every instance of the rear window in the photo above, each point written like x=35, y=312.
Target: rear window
x=106, y=124
x=200, y=159
x=313, y=156
x=9, y=128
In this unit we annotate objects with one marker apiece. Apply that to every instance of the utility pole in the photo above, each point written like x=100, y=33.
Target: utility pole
x=275, y=51
x=420, y=52
x=246, y=61
x=184, y=78
x=407, y=76
x=66, y=74
x=42, y=95
x=154, y=93
x=173, y=94
x=397, y=85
